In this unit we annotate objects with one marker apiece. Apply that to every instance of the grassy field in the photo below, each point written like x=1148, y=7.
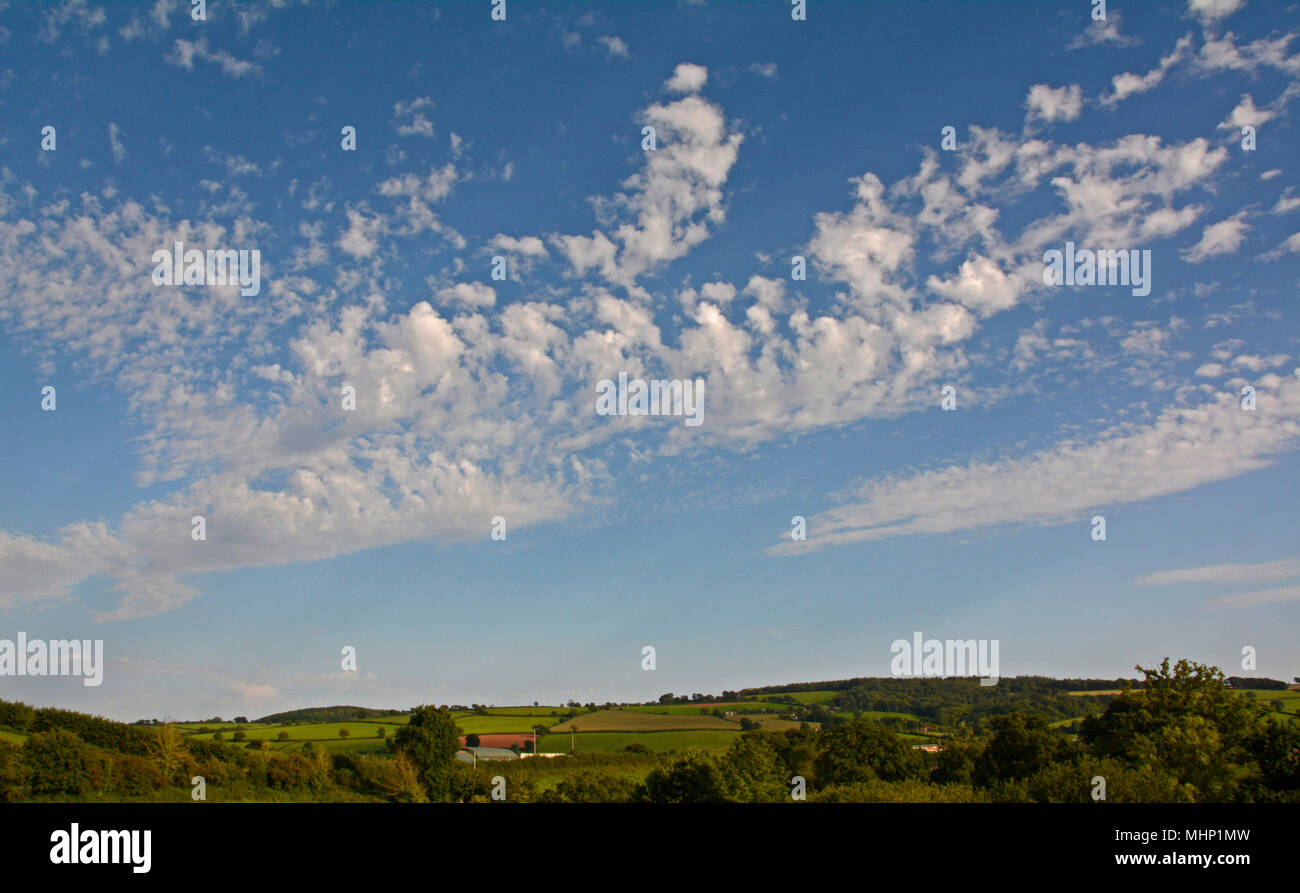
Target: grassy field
x=481, y=725
x=694, y=709
x=881, y=714
x=775, y=724
x=1290, y=701
x=362, y=733
x=812, y=697
x=631, y=721
x=12, y=737
x=711, y=740
x=542, y=711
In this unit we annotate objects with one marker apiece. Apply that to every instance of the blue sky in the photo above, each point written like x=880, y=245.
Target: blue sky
x=475, y=398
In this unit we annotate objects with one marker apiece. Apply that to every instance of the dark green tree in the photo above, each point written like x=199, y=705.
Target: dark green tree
x=693, y=778
x=59, y=762
x=1021, y=745
x=751, y=772
x=860, y=750
x=1183, y=721
x=1276, y=749
x=430, y=741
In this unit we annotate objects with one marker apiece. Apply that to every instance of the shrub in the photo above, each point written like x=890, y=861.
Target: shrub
x=59, y=762
x=136, y=776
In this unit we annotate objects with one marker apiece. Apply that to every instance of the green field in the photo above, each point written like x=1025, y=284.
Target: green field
x=812, y=697
x=493, y=724
x=1290, y=701
x=631, y=721
x=12, y=737
x=361, y=732
x=712, y=740
x=542, y=711
x=775, y=724
x=694, y=709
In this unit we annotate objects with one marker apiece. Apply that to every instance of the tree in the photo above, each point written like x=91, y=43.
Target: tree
x=13, y=773
x=471, y=740
x=240, y=735
x=241, y=719
x=430, y=741
x=284, y=735
x=343, y=733
x=1021, y=745
x=169, y=751
x=59, y=762
x=591, y=787
x=954, y=765
x=694, y=778
x=217, y=736
x=751, y=772
x=1276, y=749
x=381, y=733
x=1183, y=722
x=860, y=750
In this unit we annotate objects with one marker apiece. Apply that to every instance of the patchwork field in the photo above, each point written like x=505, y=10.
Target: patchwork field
x=517, y=738
x=694, y=709
x=496, y=725
x=711, y=740
x=542, y=711
x=631, y=721
x=813, y=697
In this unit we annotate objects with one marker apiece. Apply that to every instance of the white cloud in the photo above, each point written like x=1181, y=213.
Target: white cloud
x=1226, y=573
x=1213, y=9
x=1103, y=31
x=184, y=52
x=1184, y=448
x=614, y=46
x=1257, y=597
x=529, y=246
x=687, y=78
x=1286, y=202
x=1054, y=104
x=1246, y=115
x=468, y=294
x=410, y=118
x=1224, y=237
x=980, y=285
x=115, y=142
x=1290, y=245
x=360, y=238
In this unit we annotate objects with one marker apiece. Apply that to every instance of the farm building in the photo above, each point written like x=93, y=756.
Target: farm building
x=469, y=754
